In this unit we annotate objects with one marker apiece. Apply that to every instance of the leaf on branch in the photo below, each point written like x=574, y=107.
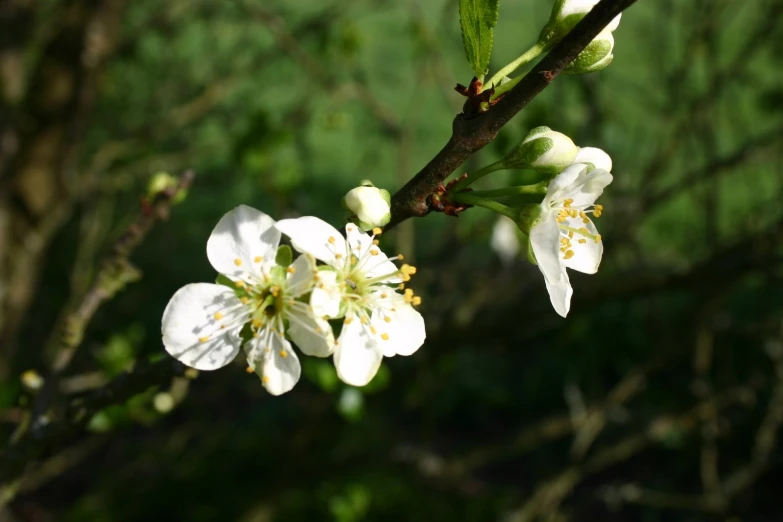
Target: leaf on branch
x=477, y=18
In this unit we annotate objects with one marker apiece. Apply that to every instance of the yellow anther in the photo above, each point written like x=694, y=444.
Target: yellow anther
x=331, y=240
x=385, y=336
x=218, y=316
x=249, y=370
x=570, y=234
x=384, y=295
x=583, y=241
x=560, y=219
x=373, y=330
x=400, y=286
x=265, y=379
x=586, y=220
x=239, y=284
x=416, y=300
x=563, y=240
x=275, y=291
x=599, y=208
x=582, y=214
x=377, y=231
x=283, y=354
x=203, y=339
x=583, y=230
x=598, y=238
x=568, y=202
x=348, y=320
x=408, y=291
x=400, y=257
x=257, y=323
x=597, y=213
x=572, y=212
x=244, y=300
x=406, y=277
x=338, y=256
x=291, y=270
x=563, y=249
x=222, y=326
x=387, y=319
x=374, y=252
x=364, y=320
x=238, y=262
x=569, y=254
x=376, y=242
x=408, y=269
x=258, y=259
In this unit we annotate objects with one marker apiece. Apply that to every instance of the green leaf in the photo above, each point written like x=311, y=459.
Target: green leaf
x=284, y=255
x=477, y=18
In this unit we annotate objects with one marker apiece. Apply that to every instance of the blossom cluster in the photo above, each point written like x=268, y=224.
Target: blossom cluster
x=264, y=300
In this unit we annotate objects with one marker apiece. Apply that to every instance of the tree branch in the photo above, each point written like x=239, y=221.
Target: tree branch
x=472, y=133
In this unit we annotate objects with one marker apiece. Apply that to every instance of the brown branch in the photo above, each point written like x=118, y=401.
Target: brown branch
x=471, y=134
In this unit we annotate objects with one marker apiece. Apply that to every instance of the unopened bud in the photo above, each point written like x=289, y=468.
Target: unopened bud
x=542, y=149
x=565, y=15
x=596, y=56
x=595, y=157
x=370, y=206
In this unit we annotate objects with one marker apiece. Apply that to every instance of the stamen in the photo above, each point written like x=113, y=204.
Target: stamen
x=583, y=241
x=265, y=379
x=569, y=254
x=376, y=242
x=283, y=354
x=387, y=319
x=291, y=270
x=238, y=262
x=218, y=316
x=203, y=339
x=377, y=231
x=249, y=370
x=385, y=336
x=416, y=300
x=258, y=259
x=598, y=238
x=348, y=320
x=244, y=300
x=331, y=240
x=568, y=202
x=239, y=284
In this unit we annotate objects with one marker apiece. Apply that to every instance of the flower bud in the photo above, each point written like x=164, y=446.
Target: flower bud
x=596, y=56
x=542, y=149
x=370, y=206
x=565, y=15
x=595, y=157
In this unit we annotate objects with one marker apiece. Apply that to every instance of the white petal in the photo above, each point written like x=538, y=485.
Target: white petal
x=587, y=188
x=564, y=182
x=311, y=334
x=613, y=25
x=301, y=276
x=315, y=237
x=545, y=240
x=587, y=255
x=273, y=359
x=399, y=327
x=570, y=7
x=191, y=329
x=357, y=356
x=241, y=241
x=327, y=294
x=372, y=265
x=597, y=157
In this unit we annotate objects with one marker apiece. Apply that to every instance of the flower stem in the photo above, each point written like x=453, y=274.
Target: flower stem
x=480, y=173
x=538, y=188
x=471, y=199
x=511, y=67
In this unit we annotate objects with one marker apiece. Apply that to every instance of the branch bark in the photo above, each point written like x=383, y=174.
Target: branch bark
x=471, y=134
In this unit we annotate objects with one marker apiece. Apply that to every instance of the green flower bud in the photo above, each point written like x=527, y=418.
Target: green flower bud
x=565, y=15
x=370, y=206
x=544, y=150
x=596, y=56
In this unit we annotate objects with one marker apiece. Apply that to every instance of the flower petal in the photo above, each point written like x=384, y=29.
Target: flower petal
x=301, y=276
x=587, y=252
x=274, y=360
x=357, y=356
x=587, y=188
x=373, y=262
x=315, y=237
x=241, y=241
x=399, y=327
x=192, y=325
x=598, y=158
x=311, y=334
x=327, y=295
x=545, y=240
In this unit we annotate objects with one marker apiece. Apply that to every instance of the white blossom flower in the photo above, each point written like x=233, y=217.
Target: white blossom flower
x=595, y=157
x=359, y=284
x=564, y=236
x=370, y=205
x=566, y=14
x=542, y=149
x=202, y=323
x=504, y=240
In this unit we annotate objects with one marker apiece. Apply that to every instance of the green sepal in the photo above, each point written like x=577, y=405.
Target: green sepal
x=528, y=215
x=225, y=281
x=246, y=333
x=531, y=256
x=284, y=255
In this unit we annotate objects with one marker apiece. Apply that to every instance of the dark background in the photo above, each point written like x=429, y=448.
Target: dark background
x=658, y=399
